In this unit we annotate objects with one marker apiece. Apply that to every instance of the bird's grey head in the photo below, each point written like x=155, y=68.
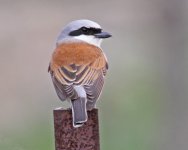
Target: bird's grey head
x=84, y=30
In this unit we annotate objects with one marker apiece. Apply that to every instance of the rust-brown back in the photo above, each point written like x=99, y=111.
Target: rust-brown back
x=77, y=53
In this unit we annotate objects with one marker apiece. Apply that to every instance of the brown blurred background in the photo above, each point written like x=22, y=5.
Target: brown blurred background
x=144, y=102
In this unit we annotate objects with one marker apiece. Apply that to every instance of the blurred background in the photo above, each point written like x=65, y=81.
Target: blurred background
x=144, y=102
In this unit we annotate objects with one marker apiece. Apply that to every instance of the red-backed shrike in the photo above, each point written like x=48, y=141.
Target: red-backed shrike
x=78, y=66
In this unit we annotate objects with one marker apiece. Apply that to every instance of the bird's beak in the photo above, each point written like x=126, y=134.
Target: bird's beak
x=102, y=35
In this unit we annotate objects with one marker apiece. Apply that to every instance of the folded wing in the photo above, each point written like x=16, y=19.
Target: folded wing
x=87, y=73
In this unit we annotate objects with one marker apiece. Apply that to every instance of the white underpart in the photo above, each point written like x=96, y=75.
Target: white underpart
x=80, y=91
x=90, y=39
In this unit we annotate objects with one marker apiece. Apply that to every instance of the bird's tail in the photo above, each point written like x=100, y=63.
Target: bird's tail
x=79, y=111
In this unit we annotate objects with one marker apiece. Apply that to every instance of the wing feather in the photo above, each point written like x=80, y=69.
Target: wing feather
x=93, y=91
x=77, y=70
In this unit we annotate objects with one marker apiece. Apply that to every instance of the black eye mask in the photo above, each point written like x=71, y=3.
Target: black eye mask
x=85, y=31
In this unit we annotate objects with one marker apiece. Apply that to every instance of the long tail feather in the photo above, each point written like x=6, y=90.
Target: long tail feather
x=79, y=111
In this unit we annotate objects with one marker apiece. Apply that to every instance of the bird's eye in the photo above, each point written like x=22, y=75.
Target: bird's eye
x=84, y=30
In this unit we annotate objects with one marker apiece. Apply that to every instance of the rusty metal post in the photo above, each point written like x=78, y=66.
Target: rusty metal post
x=69, y=138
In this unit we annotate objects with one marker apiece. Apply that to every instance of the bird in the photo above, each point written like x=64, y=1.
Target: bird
x=78, y=67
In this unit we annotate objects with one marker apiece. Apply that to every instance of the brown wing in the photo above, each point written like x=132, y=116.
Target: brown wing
x=77, y=69
x=63, y=91
x=93, y=91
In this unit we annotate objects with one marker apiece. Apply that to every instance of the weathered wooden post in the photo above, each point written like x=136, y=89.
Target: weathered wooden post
x=69, y=138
